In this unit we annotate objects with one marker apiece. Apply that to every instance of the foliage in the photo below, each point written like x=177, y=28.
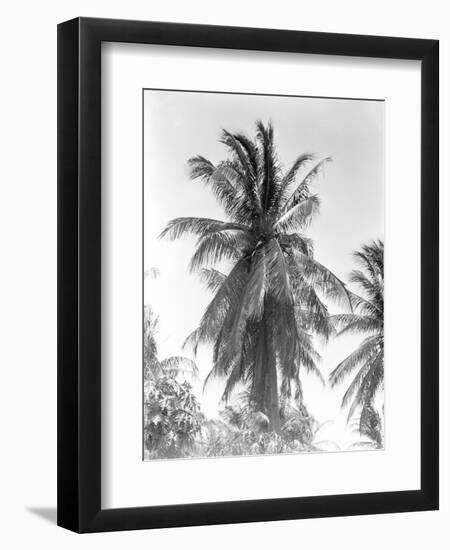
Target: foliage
x=265, y=308
x=151, y=362
x=172, y=418
x=175, y=366
x=368, y=359
x=370, y=425
x=241, y=431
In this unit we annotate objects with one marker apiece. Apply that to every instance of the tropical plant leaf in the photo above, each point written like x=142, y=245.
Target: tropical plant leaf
x=355, y=324
x=302, y=190
x=299, y=215
x=221, y=179
x=322, y=278
x=176, y=365
x=216, y=247
x=178, y=227
x=269, y=180
x=291, y=174
x=213, y=278
x=278, y=272
x=226, y=297
x=366, y=350
x=370, y=383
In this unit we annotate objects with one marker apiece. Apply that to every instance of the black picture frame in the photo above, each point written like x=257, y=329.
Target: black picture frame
x=79, y=274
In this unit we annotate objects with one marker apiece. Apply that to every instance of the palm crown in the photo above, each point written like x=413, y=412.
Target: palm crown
x=367, y=319
x=264, y=310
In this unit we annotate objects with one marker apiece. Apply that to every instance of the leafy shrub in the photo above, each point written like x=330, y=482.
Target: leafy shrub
x=172, y=418
x=240, y=431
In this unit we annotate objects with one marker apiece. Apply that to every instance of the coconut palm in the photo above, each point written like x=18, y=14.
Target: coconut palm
x=266, y=307
x=367, y=361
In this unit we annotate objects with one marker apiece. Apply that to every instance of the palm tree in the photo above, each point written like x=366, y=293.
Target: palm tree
x=265, y=308
x=367, y=319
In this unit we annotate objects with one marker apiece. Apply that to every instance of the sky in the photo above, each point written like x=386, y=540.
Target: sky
x=179, y=125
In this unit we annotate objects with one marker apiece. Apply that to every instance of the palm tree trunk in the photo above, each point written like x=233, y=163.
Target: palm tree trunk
x=272, y=402
x=271, y=399
x=264, y=394
x=259, y=380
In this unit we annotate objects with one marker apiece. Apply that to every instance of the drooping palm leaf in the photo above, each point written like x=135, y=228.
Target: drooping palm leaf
x=301, y=192
x=176, y=365
x=178, y=227
x=354, y=323
x=322, y=278
x=370, y=383
x=367, y=349
x=213, y=278
x=367, y=319
x=298, y=216
x=289, y=177
x=212, y=248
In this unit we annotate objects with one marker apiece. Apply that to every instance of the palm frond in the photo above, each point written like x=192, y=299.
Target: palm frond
x=311, y=312
x=228, y=356
x=257, y=284
x=367, y=349
x=224, y=181
x=363, y=306
x=370, y=425
x=299, y=215
x=239, y=152
x=360, y=278
x=297, y=241
x=367, y=318
x=290, y=175
x=241, y=368
x=295, y=346
x=178, y=227
x=176, y=365
x=278, y=272
x=236, y=375
x=307, y=356
x=250, y=149
x=302, y=190
x=291, y=387
x=371, y=258
x=356, y=382
x=355, y=324
x=322, y=278
x=227, y=295
x=370, y=383
x=212, y=278
x=249, y=178
x=269, y=180
x=215, y=247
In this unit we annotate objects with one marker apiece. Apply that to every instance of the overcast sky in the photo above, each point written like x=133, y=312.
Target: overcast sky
x=179, y=125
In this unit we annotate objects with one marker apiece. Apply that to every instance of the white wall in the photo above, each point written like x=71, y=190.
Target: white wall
x=28, y=273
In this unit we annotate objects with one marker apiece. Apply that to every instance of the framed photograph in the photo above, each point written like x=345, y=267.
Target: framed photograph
x=248, y=275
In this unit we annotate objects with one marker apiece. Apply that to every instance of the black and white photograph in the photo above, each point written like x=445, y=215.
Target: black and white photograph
x=263, y=274
x=225, y=250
